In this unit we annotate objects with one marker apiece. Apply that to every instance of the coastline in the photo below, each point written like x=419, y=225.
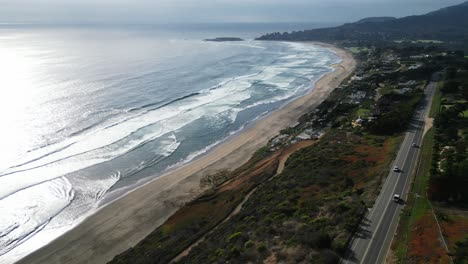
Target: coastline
x=124, y=222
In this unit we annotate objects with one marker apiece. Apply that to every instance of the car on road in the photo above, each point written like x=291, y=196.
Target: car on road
x=414, y=145
x=396, y=198
x=396, y=169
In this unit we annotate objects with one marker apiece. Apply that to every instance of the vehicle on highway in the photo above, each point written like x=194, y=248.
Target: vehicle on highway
x=414, y=145
x=396, y=198
x=396, y=169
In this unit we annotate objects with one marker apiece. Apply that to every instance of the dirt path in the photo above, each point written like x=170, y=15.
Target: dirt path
x=281, y=165
x=428, y=124
x=288, y=152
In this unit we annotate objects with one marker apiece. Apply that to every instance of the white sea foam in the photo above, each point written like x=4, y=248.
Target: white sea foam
x=59, y=198
x=28, y=211
x=43, y=212
x=103, y=145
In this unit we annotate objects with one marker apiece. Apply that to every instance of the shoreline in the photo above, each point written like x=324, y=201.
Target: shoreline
x=123, y=222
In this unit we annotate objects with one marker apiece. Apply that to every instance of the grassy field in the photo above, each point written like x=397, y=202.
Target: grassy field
x=436, y=101
x=362, y=112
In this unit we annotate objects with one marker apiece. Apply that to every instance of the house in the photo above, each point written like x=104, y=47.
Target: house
x=279, y=140
x=307, y=135
x=303, y=136
x=358, y=122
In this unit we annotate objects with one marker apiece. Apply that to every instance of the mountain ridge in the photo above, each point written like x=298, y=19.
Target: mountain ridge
x=448, y=24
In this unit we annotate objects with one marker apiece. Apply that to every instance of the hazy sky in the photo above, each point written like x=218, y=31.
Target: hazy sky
x=170, y=11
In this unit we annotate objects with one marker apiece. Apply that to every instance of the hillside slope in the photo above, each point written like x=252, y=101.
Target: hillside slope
x=450, y=24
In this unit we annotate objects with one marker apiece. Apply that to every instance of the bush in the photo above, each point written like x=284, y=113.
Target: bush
x=234, y=236
x=261, y=248
x=339, y=246
x=248, y=244
x=306, y=235
x=234, y=252
x=330, y=257
x=219, y=252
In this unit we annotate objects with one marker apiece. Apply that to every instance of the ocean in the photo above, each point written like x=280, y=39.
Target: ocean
x=89, y=112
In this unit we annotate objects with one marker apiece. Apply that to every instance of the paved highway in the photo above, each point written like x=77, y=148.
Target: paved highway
x=372, y=240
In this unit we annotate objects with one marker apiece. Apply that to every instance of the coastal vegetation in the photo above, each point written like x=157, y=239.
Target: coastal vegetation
x=310, y=211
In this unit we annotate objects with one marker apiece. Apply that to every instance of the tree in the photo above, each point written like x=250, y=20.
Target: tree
x=450, y=86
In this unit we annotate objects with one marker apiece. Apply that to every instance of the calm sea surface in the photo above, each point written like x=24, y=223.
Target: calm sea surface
x=88, y=112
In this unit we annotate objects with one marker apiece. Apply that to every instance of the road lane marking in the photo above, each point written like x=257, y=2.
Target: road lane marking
x=413, y=165
x=385, y=186
x=386, y=207
x=419, y=117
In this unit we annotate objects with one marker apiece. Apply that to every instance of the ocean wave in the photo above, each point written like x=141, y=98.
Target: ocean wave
x=28, y=211
x=195, y=154
x=127, y=127
x=123, y=136
x=114, y=141
x=159, y=105
x=90, y=147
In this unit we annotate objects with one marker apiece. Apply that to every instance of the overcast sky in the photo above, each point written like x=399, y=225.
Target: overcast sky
x=203, y=11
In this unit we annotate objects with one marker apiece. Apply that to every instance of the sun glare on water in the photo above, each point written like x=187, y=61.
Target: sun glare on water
x=18, y=91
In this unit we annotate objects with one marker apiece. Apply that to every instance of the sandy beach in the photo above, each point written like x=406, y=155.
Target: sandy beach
x=124, y=222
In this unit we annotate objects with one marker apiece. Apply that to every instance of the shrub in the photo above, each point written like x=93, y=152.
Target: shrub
x=261, y=248
x=248, y=244
x=234, y=236
x=339, y=246
x=219, y=252
x=234, y=252
x=330, y=257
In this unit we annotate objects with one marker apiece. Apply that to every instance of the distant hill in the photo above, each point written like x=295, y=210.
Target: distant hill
x=448, y=24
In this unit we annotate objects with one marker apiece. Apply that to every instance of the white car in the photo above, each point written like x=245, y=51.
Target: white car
x=396, y=198
x=396, y=169
x=414, y=145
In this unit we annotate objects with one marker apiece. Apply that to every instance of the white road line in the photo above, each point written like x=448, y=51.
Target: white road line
x=382, y=216
x=420, y=117
x=384, y=187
